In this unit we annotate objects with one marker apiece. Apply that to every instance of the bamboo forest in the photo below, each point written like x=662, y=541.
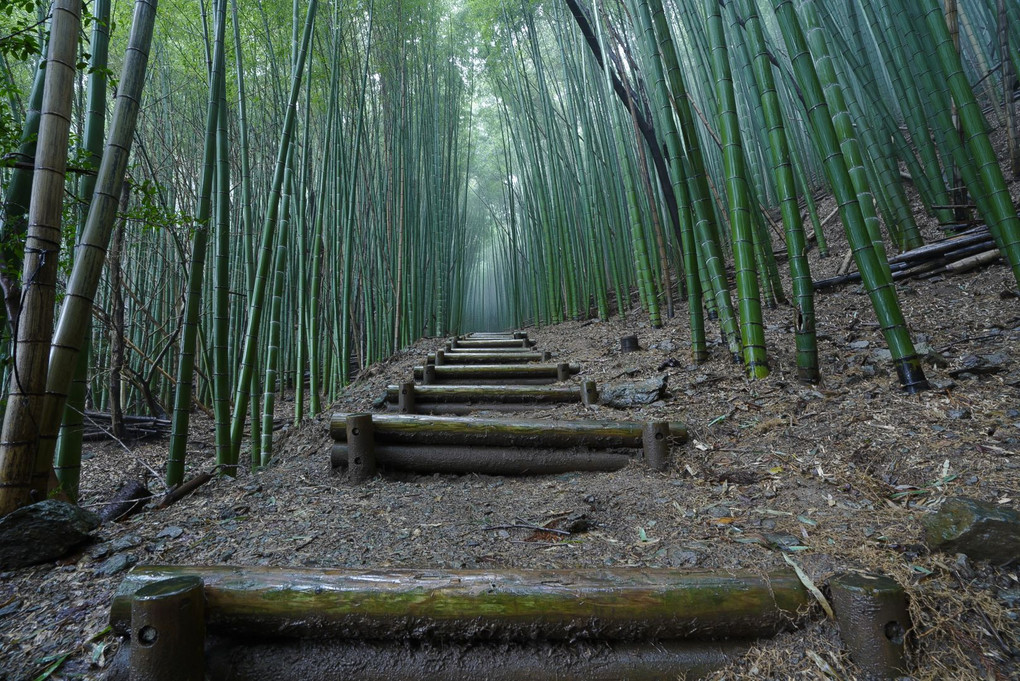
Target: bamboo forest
x=509, y=339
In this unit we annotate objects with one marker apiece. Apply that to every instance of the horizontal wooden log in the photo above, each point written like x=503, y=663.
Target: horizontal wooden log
x=464, y=459
x=494, y=343
x=493, y=393
x=317, y=660
x=608, y=604
x=505, y=351
x=453, y=430
x=463, y=372
x=488, y=335
x=464, y=408
x=454, y=358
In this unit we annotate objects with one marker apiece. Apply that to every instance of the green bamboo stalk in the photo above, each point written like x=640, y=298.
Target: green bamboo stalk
x=749, y=303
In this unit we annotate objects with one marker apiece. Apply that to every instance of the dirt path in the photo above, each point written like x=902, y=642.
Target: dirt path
x=836, y=476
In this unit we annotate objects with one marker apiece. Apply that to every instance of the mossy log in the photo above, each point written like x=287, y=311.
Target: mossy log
x=424, y=394
x=465, y=459
x=494, y=335
x=454, y=430
x=504, y=351
x=473, y=372
x=609, y=604
x=454, y=358
x=316, y=660
x=492, y=343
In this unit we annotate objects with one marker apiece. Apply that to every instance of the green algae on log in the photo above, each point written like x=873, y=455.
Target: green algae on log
x=621, y=604
x=454, y=430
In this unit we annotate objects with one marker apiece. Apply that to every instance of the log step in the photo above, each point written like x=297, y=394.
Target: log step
x=443, y=358
x=501, y=373
x=609, y=604
x=423, y=395
x=491, y=343
x=468, y=459
x=453, y=430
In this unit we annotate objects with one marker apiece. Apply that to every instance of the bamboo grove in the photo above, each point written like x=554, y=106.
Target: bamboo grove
x=220, y=205
x=656, y=147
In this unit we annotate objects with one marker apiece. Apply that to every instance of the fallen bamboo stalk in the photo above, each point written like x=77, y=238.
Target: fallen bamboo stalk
x=453, y=430
x=183, y=490
x=621, y=604
x=464, y=459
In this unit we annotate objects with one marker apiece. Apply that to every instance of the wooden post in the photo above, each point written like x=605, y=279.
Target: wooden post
x=629, y=344
x=440, y=358
x=873, y=622
x=168, y=631
x=428, y=374
x=406, y=399
x=360, y=447
x=546, y=356
x=562, y=371
x=655, y=441
x=589, y=393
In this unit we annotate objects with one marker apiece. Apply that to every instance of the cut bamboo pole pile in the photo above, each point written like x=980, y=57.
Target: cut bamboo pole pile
x=621, y=604
x=96, y=426
x=957, y=254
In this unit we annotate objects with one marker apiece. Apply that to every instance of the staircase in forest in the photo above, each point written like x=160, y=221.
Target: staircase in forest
x=620, y=623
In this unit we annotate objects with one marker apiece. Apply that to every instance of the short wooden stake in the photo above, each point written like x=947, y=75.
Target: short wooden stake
x=589, y=393
x=546, y=356
x=873, y=622
x=406, y=399
x=360, y=447
x=440, y=358
x=428, y=374
x=629, y=344
x=562, y=371
x=168, y=631
x=655, y=441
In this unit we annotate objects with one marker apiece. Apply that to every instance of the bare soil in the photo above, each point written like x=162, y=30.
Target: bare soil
x=836, y=477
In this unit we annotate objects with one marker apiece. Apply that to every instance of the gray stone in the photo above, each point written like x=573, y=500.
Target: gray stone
x=665, y=346
x=118, y=563
x=860, y=345
x=957, y=414
x=171, y=532
x=128, y=541
x=633, y=394
x=982, y=530
x=43, y=532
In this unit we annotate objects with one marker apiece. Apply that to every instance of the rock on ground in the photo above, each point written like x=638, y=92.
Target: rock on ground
x=41, y=532
x=981, y=530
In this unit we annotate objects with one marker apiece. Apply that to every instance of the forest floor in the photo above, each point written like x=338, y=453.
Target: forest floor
x=837, y=476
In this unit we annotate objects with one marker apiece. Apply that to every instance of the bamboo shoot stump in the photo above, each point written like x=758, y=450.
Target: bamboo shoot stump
x=622, y=604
